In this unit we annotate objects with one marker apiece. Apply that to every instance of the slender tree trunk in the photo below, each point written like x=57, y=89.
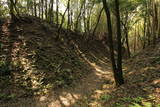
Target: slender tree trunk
x=135, y=40
x=117, y=75
x=35, y=8
x=69, y=22
x=77, y=20
x=98, y=19
x=126, y=39
x=12, y=7
x=32, y=9
x=57, y=12
x=62, y=21
x=28, y=6
x=89, y=18
x=155, y=21
x=127, y=44
x=46, y=9
x=51, y=14
x=39, y=7
x=144, y=33
x=119, y=60
x=71, y=19
x=42, y=1
x=84, y=18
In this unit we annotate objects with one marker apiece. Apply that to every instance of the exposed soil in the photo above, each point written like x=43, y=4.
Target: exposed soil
x=82, y=74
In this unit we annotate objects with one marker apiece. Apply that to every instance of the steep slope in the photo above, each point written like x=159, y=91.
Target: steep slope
x=35, y=61
x=142, y=82
x=37, y=71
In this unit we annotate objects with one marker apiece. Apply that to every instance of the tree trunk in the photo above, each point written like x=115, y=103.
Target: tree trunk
x=35, y=8
x=144, y=33
x=119, y=60
x=12, y=12
x=77, y=20
x=46, y=9
x=98, y=19
x=51, y=14
x=42, y=8
x=57, y=12
x=118, y=79
x=69, y=21
x=62, y=21
x=127, y=44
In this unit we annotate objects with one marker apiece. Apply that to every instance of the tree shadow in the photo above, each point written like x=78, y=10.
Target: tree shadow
x=142, y=81
x=36, y=55
x=31, y=53
x=25, y=46
x=12, y=82
x=141, y=87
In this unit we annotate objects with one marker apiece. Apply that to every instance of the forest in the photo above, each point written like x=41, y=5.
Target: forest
x=79, y=53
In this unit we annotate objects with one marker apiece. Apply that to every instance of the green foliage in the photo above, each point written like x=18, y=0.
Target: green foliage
x=130, y=100
x=134, y=102
x=147, y=104
x=135, y=105
x=127, y=99
x=64, y=77
x=5, y=69
x=158, y=105
x=63, y=67
x=137, y=99
x=4, y=96
x=155, y=60
x=105, y=97
x=118, y=105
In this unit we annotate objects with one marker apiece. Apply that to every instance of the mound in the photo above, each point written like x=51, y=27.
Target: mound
x=32, y=62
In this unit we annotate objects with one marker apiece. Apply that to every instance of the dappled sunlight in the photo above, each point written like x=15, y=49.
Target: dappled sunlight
x=87, y=90
x=157, y=81
x=33, y=62
x=93, y=64
x=68, y=99
x=62, y=53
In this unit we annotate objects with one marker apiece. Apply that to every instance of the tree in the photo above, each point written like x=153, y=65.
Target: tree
x=57, y=12
x=119, y=60
x=117, y=68
x=13, y=10
x=98, y=19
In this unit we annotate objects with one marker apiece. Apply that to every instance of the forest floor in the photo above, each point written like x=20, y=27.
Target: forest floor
x=71, y=73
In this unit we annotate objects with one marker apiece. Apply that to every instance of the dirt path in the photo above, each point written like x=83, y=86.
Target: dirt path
x=83, y=93
x=80, y=94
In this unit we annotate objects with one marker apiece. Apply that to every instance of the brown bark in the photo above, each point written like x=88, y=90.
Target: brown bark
x=117, y=73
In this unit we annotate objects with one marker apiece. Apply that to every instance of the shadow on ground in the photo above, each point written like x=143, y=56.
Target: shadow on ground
x=46, y=73
x=38, y=65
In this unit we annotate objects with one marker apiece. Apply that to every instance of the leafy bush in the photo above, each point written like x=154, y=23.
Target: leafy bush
x=105, y=97
x=135, y=105
x=155, y=60
x=138, y=99
x=118, y=105
x=130, y=100
x=7, y=97
x=64, y=77
x=158, y=105
x=127, y=99
x=147, y=104
x=4, y=68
